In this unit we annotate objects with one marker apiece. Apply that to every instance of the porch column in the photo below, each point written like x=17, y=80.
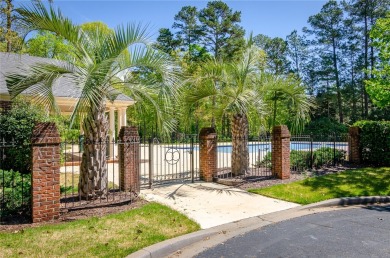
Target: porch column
x=124, y=118
x=119, y=119
x=112, y=131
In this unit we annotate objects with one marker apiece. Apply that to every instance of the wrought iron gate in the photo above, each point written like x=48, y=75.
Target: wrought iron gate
x=166, y=161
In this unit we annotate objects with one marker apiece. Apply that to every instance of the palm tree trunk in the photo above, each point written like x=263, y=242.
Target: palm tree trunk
x=93, y=170
x=240, y=154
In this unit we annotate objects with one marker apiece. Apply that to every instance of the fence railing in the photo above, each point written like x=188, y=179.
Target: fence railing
x=15, y=186
x=316, y=151
x=258, y=163
x=169, y=160
x=71, y=159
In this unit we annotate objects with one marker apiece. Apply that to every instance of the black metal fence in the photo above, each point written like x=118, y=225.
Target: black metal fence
x=171, y=159
x=15, y=186
x=306, y=152
x=316, y=151
x=259, y=158
x=71, y=158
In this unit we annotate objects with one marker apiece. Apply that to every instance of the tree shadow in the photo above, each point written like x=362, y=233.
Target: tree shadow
x=365, y=182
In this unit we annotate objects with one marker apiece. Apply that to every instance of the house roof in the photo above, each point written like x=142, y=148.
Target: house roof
x=63, y=87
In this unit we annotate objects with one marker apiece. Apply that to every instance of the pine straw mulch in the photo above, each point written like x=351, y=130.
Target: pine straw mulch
x=266, y=182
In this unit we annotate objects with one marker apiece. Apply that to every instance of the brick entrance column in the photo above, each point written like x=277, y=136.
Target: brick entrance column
x=353, y=145
x=45, y=178
x=281, y=152
x=129, y=159
x=207, y=154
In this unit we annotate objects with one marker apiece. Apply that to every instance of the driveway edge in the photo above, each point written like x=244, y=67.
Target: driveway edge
x=196, y=242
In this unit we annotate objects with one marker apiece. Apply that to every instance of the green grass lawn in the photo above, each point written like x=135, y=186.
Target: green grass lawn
x=358, y=182
x=115, y=235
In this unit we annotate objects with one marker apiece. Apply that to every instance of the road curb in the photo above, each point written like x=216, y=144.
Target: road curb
x=346, y=201
x=206, y=238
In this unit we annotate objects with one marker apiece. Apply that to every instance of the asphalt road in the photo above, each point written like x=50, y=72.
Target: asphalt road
x=356, y=232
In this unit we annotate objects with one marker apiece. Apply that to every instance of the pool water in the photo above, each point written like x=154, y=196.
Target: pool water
x=293, y=146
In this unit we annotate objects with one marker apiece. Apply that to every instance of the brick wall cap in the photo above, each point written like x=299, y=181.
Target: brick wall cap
x=206, y=131
x=45, y=133
x=354, y=130
x=281, y=130
x=128, y=131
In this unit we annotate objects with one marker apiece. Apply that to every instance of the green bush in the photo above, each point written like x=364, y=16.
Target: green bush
x=324, y=126
x=16, y=127
x=325, y=156
x=375, y=142
x=300, y=160
x=15, y=191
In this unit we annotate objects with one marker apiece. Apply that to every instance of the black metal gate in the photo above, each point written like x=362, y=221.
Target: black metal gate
x=169, y=160
x=259, y=159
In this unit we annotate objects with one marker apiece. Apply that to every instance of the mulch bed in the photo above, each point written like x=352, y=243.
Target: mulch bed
x=266, y=182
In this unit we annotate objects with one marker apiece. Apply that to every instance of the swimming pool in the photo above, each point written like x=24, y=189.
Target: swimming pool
x=293, y=146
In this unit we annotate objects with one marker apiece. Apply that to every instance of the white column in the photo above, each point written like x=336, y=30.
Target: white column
x=124, y=117
x=120, y=123
x=112, y=131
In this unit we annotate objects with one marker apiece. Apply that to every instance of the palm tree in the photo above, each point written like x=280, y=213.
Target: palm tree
x=104, y=64
x=239, y=89
x=286, y=101
x=231, y=88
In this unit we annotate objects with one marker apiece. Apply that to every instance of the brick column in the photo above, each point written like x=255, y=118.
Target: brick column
x=129, y=159
x=45, y=185
x=208, y=154
x=281, y=152
x=354, y=145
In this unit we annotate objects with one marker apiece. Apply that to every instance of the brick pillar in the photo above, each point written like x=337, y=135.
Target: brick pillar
x=208, y=154
x=129, y=159
x=45, y=185
x=281, y=152
x=354, y=145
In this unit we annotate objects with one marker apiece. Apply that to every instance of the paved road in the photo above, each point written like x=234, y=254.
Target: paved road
x=358, y=232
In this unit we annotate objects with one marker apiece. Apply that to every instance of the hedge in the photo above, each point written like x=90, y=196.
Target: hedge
x=375, y=142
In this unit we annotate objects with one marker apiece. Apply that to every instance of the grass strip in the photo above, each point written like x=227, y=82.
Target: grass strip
x=349, y=183
x=115, y=235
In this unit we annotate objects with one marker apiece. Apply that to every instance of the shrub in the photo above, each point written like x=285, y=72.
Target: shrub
x=324, y=126
x=300, y=160
x=15, y=192
x=375, y=142
x=325, y=156
x=16, y=126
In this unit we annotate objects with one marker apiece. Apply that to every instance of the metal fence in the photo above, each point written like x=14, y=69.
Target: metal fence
x=169, y=160
x=15, y=186
x=316, y=151
x=71, y=157
x=259, y=159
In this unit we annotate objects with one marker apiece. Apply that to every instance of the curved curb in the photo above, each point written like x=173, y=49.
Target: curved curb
x=196, y=242
x=347, y=201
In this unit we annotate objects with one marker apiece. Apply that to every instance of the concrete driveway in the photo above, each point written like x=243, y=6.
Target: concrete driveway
x=212, y=204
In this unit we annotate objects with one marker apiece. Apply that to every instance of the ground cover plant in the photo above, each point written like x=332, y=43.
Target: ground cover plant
x=115, y=235
x=354, y=182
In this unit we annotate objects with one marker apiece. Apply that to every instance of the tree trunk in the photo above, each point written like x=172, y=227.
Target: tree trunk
x=9, y=24
x=93, y=180
x=240, y=154
x=366, y=36
x=336, y=71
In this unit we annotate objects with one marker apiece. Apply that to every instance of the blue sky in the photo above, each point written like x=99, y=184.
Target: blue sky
x=272, y=18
